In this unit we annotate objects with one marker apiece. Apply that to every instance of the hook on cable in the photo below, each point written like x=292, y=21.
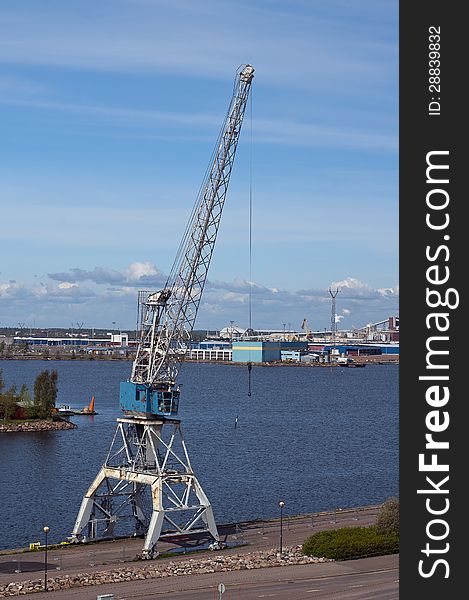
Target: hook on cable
x=249, y=378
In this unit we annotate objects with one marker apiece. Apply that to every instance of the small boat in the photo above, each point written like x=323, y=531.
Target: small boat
x=353, y=365
x=66, y=410
x=89, y=410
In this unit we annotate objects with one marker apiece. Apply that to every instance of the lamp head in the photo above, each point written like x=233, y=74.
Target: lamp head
x=281, y=503
x=46, y=529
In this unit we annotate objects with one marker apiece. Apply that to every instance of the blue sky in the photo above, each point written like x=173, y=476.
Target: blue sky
x=109, y=111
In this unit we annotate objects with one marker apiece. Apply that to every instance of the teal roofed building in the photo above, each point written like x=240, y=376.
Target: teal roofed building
x=256, y=352
x=261, y=352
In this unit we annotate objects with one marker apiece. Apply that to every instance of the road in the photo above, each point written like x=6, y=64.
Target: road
x=349, y=580
x=364, y=579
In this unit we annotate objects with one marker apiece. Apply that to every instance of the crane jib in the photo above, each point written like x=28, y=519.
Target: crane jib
x=167, y=317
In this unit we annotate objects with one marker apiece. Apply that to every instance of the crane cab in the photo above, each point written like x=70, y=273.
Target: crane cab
x=142, y=400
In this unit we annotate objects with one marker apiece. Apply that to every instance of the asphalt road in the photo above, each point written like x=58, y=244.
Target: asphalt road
x=364, y=579
x=370, y=578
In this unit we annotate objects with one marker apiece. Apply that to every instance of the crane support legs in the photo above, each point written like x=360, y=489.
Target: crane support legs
x=145, y=487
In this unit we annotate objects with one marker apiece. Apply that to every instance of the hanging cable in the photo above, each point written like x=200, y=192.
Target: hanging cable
x=250, y=241
x=250, y=220
x=249, y=364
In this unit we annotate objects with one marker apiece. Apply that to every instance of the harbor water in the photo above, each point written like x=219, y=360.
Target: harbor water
x=316, y=438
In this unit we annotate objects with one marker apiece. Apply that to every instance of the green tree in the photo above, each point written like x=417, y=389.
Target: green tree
x=387, y=519
x=8, y=402
x=45, y=392
x=26, y=401
x=24, y=396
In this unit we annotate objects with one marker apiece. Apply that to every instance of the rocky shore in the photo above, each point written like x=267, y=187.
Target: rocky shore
x=156, y=569
x=37, y=425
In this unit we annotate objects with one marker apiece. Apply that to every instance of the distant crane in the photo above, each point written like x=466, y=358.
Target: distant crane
x=146, y=484
x=304, y=326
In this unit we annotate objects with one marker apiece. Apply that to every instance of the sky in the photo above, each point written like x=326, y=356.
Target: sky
x=109, y=112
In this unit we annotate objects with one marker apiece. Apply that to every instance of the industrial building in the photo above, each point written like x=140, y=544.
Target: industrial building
x=261, y=352
x=232, y=344
x=257, y=352
x=114, y=339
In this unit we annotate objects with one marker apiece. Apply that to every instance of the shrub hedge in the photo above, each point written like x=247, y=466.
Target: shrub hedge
x=351, y=542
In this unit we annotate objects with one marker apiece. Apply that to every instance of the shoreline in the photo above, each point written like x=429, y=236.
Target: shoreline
x=327, y=519
x=378, y=359
x=36, y=425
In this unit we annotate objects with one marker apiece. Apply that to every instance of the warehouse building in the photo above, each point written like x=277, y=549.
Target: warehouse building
x=261, y=352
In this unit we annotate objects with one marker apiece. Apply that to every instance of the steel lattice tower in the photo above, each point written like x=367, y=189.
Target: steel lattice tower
x=333, y=294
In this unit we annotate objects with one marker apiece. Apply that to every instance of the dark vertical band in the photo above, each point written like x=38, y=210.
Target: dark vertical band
x=433, y=437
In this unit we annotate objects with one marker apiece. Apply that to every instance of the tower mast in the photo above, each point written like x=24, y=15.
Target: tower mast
x=333, y=293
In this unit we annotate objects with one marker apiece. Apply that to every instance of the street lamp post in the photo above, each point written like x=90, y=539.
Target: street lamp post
x=281, y=504
x=46, y=531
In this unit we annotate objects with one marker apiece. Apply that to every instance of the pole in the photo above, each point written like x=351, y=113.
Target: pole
x=46, y=531
x=281, y=504
x=281, y=528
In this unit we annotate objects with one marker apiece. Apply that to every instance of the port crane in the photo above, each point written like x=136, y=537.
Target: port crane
x=146, y=485
x=304, y=326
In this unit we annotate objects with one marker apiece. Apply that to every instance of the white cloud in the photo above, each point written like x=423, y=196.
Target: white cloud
x=114, y=293
x=390, y=291
x=350, y=283
x=352, y=288
x=137, y=270
x=137, y=273
x=9, y=289
x=66, y=285
x=235, y=297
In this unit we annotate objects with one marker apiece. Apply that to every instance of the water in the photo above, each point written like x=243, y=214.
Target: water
x=317, y=438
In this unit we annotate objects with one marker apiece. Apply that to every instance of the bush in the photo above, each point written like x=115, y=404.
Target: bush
x=351, y=542
x=387, y=520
